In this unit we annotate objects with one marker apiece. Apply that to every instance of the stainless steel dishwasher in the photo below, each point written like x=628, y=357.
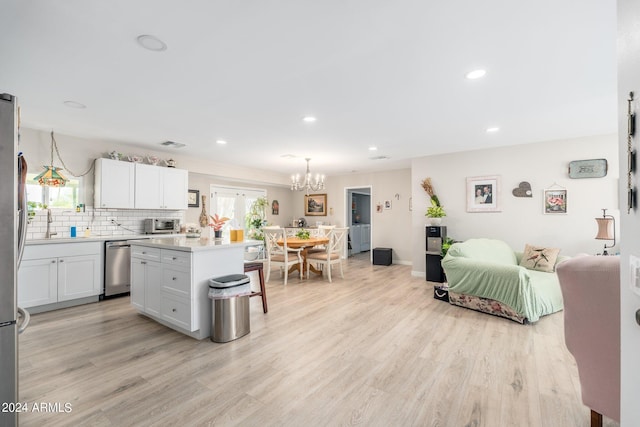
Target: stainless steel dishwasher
x=117, y=267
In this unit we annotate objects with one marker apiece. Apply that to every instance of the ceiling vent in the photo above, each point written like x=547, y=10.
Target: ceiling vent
x=173, y=144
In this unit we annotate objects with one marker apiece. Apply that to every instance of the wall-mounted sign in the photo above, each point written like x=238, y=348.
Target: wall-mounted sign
x=593, y=168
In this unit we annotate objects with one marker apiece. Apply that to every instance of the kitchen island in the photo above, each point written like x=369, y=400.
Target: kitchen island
x=170, y=279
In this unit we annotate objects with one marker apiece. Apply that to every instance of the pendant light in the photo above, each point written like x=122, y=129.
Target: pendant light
x=51, y=176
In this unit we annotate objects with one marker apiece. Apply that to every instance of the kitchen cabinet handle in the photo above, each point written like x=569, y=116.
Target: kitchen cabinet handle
x=174, y=258
x=61, y=260
x=143, y=262
x=175, y=278
x=53, y=261
x=173, y=309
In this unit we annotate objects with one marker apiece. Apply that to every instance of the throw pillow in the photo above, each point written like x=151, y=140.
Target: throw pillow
x=539, y=258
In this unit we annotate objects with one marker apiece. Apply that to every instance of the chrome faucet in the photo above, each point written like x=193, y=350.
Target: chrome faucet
x=49, y=233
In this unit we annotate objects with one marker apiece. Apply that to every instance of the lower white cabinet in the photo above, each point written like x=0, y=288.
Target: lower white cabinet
x=161, y=285
x=147, y=275
x=75, y=272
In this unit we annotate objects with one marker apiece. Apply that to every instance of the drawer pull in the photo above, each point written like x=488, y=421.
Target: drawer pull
x=175, y=278
x=53, y=261
x=174, y=310
x=143, y=262
x=174, y=258
x=61, y=260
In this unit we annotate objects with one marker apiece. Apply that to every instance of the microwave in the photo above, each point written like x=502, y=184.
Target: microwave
x=160, y=225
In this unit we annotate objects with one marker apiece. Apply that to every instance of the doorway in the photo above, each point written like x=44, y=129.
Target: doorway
x=358, y=211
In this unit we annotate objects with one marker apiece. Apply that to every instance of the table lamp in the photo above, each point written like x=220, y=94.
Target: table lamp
x=606, y=230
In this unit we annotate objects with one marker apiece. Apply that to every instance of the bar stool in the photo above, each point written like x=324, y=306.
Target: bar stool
x=259, y=267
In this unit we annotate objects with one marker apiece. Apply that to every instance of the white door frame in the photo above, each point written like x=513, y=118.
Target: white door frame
x=347, y=216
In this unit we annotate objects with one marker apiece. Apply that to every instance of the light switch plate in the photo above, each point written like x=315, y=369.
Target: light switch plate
x=634, y=274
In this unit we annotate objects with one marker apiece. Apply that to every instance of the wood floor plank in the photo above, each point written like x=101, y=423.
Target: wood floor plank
x=372, y=349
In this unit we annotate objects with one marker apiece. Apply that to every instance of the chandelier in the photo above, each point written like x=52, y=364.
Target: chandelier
x=308, y=183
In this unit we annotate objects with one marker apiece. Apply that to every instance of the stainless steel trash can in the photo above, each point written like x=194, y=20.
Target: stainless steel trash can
x=229, y=307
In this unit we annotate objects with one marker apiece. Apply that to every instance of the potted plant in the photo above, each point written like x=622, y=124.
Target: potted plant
x=217, y=223
x=256, y=218
x=446, y=244
x=435, y=212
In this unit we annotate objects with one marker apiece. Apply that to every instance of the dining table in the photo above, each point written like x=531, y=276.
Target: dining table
x=304, y=244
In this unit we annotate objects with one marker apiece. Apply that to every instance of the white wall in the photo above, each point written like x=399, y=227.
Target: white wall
x=521, y=220
x=629, y=80
x=78, y=154
x=389, y=229
x=203, y=184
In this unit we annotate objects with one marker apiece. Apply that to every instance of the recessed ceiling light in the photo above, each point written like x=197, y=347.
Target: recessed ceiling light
x=379, y=158
x=151, y=43
x=493, y=129
x=373, y=148
x=308, y=119
x=74, y=104
x=221, y=142
x=475, y=74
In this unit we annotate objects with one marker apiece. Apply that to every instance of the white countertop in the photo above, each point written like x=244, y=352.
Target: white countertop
x=98, y=238
x=187, y=244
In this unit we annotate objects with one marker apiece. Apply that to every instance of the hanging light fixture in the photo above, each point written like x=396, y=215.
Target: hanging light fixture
x=606, y=230
x=51, y=176
x=308, y=183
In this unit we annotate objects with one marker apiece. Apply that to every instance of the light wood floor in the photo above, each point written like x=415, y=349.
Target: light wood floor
x=374, y=349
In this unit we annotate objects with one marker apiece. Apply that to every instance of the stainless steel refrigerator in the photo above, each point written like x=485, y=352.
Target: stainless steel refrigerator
x=13, y=216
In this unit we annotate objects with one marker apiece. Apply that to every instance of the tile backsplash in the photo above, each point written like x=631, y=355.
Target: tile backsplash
x=97, y=220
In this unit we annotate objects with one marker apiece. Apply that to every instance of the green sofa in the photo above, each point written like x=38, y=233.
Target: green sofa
x=485, y=275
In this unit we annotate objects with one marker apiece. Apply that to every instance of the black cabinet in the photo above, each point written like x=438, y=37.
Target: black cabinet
x=435, y=235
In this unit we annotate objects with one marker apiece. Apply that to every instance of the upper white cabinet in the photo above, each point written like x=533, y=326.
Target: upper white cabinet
x=160, y=188
x=126, y=185
x=114, y=184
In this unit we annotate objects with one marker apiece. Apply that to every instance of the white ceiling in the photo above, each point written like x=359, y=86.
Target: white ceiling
x=378, y=73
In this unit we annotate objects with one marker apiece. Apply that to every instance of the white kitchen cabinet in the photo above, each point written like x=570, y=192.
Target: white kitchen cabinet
x=161, y=285
x=160, y=188
x=146, y=274
x=114, y=184
x=38, y=282
x=176, y=188
x=187, y=267
x=74, y=274
x=365, y=237
x=79, y=276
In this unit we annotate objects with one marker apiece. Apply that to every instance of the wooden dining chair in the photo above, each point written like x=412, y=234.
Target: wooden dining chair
x=321, y=231
x=332, y=253
x=281, y=256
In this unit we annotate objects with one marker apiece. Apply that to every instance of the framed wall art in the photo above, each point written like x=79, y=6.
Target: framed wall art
x=193, y=197
x=315, y=205
x=555, y=201
x=483, y=193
